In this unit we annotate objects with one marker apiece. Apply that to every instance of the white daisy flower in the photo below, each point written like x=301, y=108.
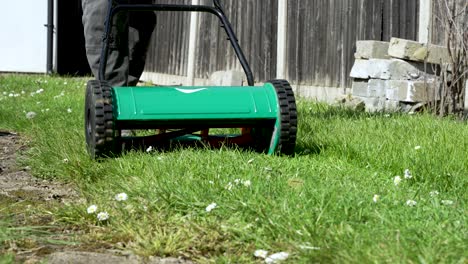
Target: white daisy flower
x=277, y=257
x=65, y=160
x=247, y=183
x=30, y=115
x=102, y=216
x=376, y=198
x=60, y=95
x=228, y=186
x=397, y=180
x=434, y=193
x=121, y=197
x=149, y=149
x=210, y=207
x=411, y=203
x=69, y=110
x=92, y=209
x=250, y=161
x=447, y=202
x=417, y=147
x=260, y=253
x=408, y=174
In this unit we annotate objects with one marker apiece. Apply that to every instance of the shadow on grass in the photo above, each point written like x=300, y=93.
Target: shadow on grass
x=306, y=149
x=301, y=149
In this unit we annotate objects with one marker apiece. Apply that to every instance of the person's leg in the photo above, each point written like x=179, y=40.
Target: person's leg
x=94, y=16
x=141, y=26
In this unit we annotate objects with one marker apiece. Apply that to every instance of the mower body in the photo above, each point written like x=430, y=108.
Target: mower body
x=179, y=107
x=266, y=115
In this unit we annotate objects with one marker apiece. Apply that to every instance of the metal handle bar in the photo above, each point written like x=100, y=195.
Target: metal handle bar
x=216, y=9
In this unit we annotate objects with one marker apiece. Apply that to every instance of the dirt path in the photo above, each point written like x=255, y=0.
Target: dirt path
x=17, y=186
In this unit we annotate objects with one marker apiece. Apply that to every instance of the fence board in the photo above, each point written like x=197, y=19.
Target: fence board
x=252, y=20
x=322, y=35
x=169, y=46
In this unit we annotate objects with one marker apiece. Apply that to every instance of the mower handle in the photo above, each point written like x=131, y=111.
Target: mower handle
x=116, y=6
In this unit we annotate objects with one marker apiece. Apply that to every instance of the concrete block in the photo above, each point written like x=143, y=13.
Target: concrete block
x=377, y=88
x=392, y=105
x=411, y=91
x=415, y=51
x=227, y=78
x=369, y=88
x=360, y=87
x=370, y=49
x=392, y=69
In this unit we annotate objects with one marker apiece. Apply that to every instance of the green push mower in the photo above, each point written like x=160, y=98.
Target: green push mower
x=266, y=115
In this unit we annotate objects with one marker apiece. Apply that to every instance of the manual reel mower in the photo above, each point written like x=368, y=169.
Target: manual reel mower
x=265, y=114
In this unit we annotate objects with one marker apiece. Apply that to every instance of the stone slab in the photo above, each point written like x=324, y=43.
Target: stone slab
x=360, y=87
x=371, y=49
x=369, y=88
x=416, y=51
x=391, y=69
x=394, y=90
x=411, y=91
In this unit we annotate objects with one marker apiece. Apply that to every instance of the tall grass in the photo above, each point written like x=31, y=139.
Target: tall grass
x=318, y=205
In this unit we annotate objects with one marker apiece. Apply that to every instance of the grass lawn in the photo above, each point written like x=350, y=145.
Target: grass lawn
x=337, y=200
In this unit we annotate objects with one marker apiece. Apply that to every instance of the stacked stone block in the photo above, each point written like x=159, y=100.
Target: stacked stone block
x=388, y=76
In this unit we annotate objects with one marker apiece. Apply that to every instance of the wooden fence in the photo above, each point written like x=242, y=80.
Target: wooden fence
x=321, y=36
x=168, y=50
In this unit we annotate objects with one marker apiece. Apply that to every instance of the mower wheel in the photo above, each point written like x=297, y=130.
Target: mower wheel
x=287, y=130
x=101, y=137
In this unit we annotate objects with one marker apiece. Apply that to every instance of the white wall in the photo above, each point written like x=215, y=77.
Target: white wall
x=23, y=36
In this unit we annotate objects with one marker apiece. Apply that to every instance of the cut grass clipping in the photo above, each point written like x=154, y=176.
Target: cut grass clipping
x=361, y=187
